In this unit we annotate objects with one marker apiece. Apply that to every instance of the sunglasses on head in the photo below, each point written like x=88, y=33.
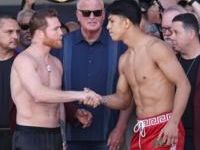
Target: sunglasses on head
x=24, y=26
x=87, y=13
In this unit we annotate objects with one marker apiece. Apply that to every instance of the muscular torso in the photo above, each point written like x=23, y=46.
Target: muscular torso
x=152, y=92
x=29, y=111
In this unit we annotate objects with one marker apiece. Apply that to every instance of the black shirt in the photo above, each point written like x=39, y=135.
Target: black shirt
x=5, y=96
x=190, y=67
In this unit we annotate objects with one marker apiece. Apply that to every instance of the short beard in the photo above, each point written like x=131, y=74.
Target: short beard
x=52, y=43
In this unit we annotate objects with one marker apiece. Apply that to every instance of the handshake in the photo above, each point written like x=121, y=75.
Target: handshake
x=91, y=98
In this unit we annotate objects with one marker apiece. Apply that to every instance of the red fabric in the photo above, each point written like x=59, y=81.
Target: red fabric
x=152, y=132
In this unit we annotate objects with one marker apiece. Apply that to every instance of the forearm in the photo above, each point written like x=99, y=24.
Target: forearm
x=124, y=117
x=28, y=4
x=180, y=101
x=48, y=95
x=115, y=101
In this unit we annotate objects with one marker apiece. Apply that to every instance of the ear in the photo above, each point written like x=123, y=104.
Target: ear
x=40, y=34
x=78, y=15
x=191, y=34
x=103, y=14
x=127, y=23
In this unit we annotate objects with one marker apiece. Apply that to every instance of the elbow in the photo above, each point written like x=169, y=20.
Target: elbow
x=38, y=97
x=188, y=86
x=125, y=103
x=185, y=86
x=124, y=106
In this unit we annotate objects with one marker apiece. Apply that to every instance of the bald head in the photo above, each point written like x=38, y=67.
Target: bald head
x=170, y=13
x=24, y=16
x=167, y=17
x=81, y=3
x=168, y=3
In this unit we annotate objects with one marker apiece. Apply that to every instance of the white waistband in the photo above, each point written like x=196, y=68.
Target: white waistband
x=155, y=120
x=141, y=124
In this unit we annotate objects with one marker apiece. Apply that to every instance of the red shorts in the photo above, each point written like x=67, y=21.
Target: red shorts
x=147, y=131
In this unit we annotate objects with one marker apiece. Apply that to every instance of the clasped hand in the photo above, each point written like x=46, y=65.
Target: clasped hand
x=91, y=98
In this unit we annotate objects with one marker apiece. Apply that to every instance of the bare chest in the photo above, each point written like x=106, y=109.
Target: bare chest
x=50, y=75
x=140, y=68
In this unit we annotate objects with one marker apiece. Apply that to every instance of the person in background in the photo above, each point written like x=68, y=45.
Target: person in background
x=151, y=17
x=168, y=3
x=72, y=26
x=96, y=69
x=166, y=24
x=9, y=36
x=185, y=35
x=23, y=18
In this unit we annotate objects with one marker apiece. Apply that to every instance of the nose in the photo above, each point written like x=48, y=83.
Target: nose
x=91, y=15
x=61, y=32
x=168, y=32
x=15, y=35
x=172, y=36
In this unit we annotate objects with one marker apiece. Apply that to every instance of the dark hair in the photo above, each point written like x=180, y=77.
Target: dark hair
x=127, y=8
x=38, y=20
x=189, y=21
x=5, y=16
x=146, y=4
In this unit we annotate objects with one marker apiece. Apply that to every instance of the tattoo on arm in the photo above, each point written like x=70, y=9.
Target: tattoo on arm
x=63, y=131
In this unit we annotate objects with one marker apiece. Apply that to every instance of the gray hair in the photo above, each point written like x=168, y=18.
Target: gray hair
x=23, y=13
x=78, y=3
x=176, y=8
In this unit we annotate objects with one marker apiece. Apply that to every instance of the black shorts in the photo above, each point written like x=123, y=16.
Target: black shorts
x=36, y=138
